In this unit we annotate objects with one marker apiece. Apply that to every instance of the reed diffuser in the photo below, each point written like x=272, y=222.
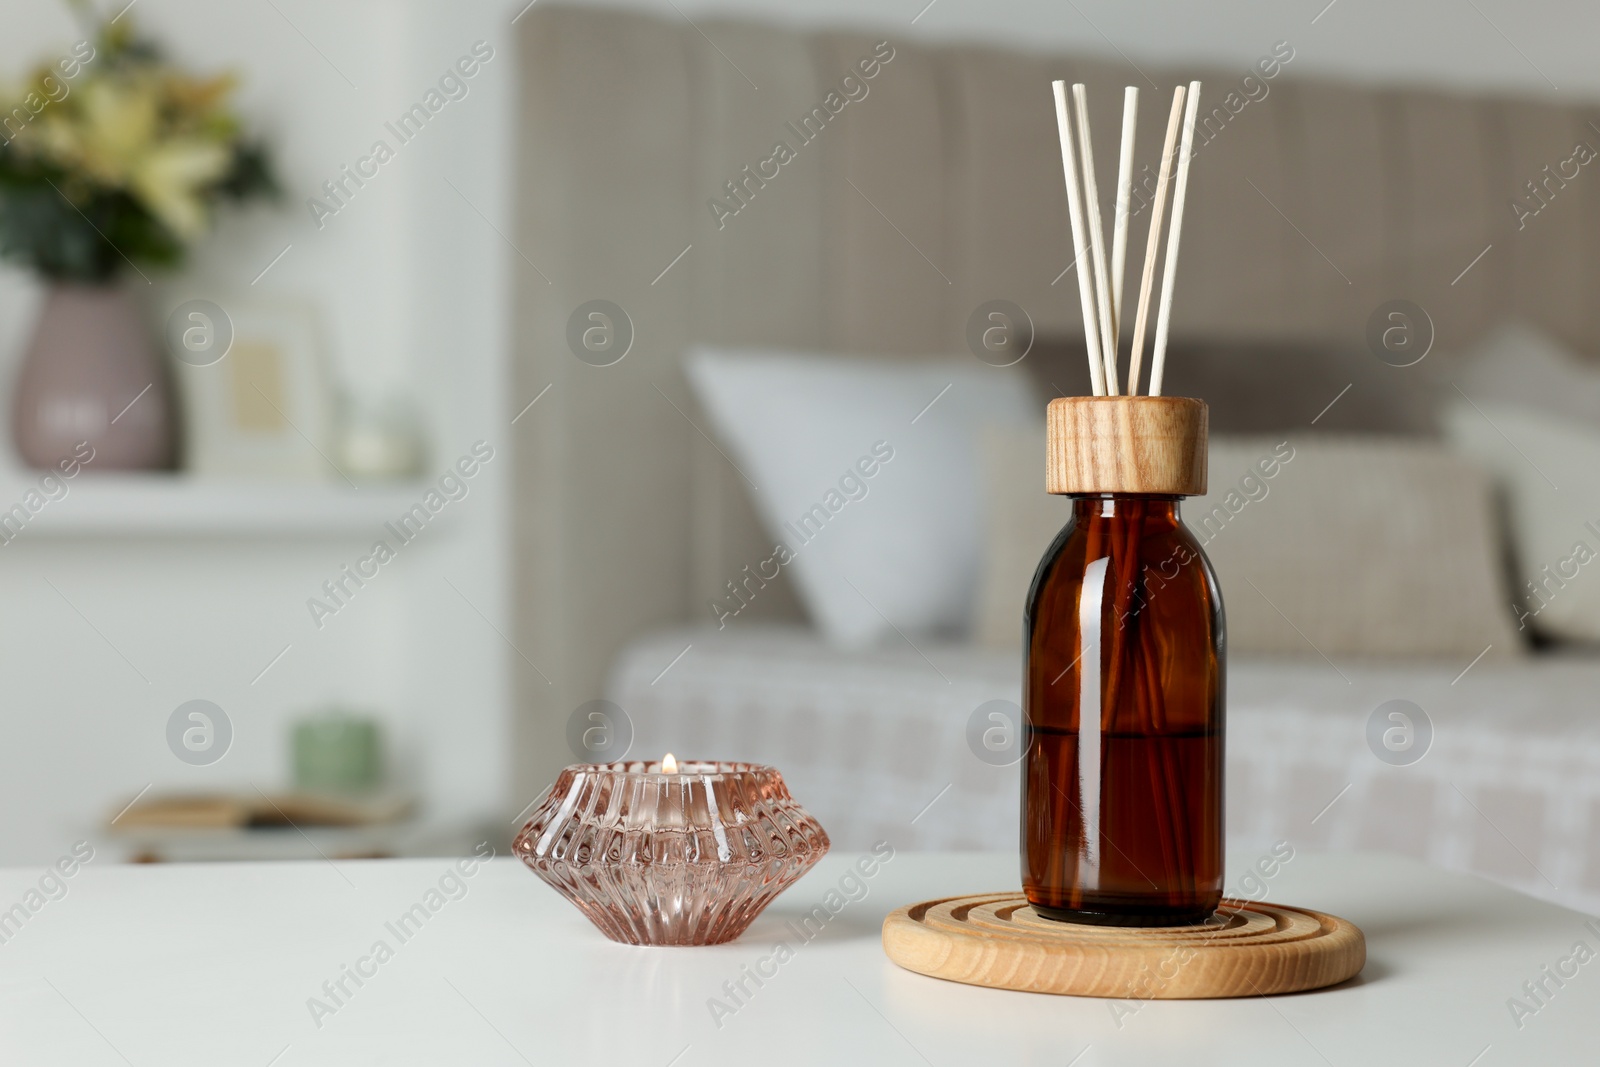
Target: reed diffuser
x=1124, y=657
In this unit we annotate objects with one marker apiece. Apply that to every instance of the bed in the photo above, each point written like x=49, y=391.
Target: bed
x=874, y=743
x=937, y=191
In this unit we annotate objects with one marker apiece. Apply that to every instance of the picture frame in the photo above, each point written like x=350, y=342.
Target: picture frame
x=263, y=409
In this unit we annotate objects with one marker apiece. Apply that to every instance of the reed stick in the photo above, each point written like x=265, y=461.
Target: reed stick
x=1097, y=238
x=1164, y=770
x=1069, y=164
x=1152, y=244
x=1132, y=697
x=1134, y=689
x=1092, y=550
x=1158, y=359
x=1119, y=222
x=1128, y=707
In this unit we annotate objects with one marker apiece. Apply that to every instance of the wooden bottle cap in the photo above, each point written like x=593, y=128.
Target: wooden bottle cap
x=1126, y=444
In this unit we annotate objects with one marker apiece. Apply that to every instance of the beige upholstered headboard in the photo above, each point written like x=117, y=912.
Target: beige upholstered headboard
x=910, y=198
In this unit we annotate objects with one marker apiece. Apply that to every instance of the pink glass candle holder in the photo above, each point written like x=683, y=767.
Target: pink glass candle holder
x=679, y=857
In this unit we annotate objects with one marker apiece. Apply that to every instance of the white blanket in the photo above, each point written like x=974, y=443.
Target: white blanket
x=875, y=745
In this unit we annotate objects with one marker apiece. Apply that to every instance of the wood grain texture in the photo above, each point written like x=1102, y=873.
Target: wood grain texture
x=1126, y=444
x=1249, y=949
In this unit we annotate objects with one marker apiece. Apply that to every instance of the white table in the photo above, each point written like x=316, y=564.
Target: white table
x=167, y=966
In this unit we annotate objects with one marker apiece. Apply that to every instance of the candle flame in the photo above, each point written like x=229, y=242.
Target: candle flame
x=668, y=764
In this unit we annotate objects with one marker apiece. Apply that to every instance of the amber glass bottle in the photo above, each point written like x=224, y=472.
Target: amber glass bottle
x=1123, y=682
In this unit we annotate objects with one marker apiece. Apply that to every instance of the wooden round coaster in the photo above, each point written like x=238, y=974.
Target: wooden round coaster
x=1247, y=949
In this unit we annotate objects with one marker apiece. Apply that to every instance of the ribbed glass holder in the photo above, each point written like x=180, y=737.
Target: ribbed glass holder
x=686, y=858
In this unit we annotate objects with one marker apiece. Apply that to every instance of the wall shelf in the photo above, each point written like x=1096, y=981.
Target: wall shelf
x=177, y=505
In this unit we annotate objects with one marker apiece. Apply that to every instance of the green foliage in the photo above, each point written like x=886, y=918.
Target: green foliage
x=109, y=156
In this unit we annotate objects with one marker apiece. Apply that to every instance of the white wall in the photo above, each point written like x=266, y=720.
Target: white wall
x=410, y=285
x=412, y=281
x=1511, y=46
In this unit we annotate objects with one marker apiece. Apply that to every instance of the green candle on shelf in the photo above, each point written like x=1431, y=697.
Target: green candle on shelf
x=337, y=751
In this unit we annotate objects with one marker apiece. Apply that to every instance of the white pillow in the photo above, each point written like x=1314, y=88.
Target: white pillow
x=1370, y=546
x=867, y=475
x=1528, y=409
x=1548, y=469
x=1517, y=364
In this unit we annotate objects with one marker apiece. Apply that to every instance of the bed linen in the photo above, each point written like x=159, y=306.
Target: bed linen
x=874, y=743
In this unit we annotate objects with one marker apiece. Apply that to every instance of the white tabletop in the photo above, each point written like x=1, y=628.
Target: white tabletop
x=214, y=965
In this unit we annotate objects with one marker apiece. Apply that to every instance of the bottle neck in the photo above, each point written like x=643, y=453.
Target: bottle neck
x=1126, y=505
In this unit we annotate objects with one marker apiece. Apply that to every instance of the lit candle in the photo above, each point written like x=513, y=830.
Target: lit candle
x=662, y=864
x=666, y=808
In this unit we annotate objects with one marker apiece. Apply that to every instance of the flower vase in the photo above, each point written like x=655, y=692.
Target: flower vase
x=91, y=374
